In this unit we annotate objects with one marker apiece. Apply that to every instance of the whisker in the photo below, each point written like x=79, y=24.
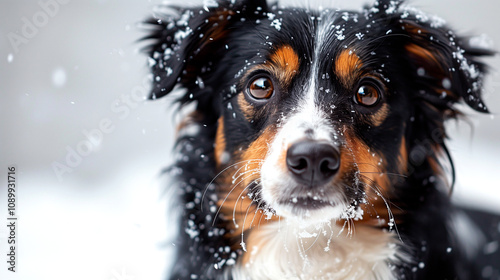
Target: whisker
x=300, y=245
x=342, y=229
x=314, y=242
x=261, y=216
x=243, y=245
x=353, y=227
x=227, y=196
x=237, y=172
x=257, y=207
x=384, y=173
x=379, y=192
x=378, y=167
x=220, y=173
x=330, y=238
x=254, y=215
x=392, y=220
x=241, y=203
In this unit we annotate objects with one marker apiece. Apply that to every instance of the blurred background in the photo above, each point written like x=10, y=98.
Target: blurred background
x=89, y=148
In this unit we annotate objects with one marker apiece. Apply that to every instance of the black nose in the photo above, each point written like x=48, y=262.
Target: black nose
x=312, y=162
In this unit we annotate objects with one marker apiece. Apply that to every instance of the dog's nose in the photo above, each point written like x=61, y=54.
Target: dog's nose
x=312, y=162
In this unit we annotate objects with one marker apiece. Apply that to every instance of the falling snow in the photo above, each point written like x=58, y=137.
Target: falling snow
x=482, y=41
x=276, y=24
x=151, y=61
x=59, y=77
x=393, y=6
x=490, y=248
x=193, y=229
x=209, y=4
x=169, y=71
x=181, y=34
x=433, y=20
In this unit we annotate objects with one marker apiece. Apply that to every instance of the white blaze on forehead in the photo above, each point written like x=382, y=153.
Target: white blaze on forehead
x=310, y=117
x=306, y=121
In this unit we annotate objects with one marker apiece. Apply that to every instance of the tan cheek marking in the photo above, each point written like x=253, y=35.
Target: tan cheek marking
x=247, y=109
x=370, y=164
x=379, y=117
x=373, y=173
x=220, y=142
x=347, y=65
x=376, y=205
x=233, y=201
x=258, y=149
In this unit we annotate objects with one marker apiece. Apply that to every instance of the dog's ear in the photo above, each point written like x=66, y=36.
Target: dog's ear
x=439, y=70
x=445, y=67
x=185, y=45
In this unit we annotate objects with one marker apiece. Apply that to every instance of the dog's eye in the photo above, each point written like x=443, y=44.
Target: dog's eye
x=261, y=88
x=368, y=94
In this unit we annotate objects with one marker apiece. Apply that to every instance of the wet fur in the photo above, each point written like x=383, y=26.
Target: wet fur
x=209, y=52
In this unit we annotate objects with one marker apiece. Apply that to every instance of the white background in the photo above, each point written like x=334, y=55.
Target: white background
x=106, y=218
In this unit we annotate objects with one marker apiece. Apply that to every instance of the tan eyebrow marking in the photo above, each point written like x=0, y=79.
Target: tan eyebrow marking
x=287, y=61
x=347, y=65
x=284, y=64
x=247, y=109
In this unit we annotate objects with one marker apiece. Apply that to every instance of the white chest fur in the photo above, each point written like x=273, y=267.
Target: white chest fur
x=291, y=251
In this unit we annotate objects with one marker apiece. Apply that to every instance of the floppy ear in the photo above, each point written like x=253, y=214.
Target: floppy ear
x=445, y=66
x=443, y=69
x=186, y=44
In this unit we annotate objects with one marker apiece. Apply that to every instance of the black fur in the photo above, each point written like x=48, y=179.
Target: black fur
x=207, y=50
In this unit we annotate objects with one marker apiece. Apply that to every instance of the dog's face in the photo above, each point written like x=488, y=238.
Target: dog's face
x=315, y=120
x=318, y=115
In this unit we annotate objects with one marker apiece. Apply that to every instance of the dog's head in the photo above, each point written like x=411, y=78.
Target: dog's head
x=316, y=115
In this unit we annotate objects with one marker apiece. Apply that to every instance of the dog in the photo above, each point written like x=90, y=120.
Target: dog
x=314, y=143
